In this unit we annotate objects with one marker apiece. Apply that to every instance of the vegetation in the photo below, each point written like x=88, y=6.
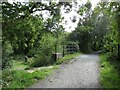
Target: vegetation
x=22, y=78
x=29, y=30
x=109, y=75
x=29, y=39
x=99, y=29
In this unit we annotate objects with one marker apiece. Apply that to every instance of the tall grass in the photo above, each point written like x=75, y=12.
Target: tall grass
x=22, y=79
x=109, y=74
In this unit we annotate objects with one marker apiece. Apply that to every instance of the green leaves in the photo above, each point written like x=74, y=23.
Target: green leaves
x=7, y=49
x=98, y=29
x=26, y=31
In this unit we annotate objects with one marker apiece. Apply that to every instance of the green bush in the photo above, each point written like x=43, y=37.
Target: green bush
x=7, y=77
x=6, y=51
x=47, y=45
x=111, y=45
x=41, y=60
x=109, y=73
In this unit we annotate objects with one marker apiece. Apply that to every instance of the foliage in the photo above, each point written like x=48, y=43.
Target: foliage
x=46, y=49
x=98, y=29
x=6, y=51
x=23, y=79
x=82, y=34
x=109, y=74
x=26, y=33
x=111, y=44
x=23, y=28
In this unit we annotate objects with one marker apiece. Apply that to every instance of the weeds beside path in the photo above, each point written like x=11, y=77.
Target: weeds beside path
x=109, y=75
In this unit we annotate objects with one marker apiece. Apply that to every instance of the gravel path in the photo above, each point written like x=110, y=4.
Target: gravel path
x=81, y=72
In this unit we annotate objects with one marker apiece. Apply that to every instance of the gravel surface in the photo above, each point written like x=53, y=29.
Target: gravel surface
x=81, y=72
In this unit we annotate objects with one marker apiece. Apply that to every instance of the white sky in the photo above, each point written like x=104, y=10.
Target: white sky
x=70, y=26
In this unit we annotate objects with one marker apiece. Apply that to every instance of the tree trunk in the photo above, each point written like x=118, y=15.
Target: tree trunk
x=119, y=32
x=63, y=51
x=119, y=51
x=119, y=42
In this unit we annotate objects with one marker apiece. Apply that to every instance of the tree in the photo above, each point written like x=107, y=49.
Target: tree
x=82, y=33
x=112, y=37
x=23, y=29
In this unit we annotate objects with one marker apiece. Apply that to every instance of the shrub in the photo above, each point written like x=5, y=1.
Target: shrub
x=41, y=60
x=109, y=73
x=46, y=49
x=6, y=51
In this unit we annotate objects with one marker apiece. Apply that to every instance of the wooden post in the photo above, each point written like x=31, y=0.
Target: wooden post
x=26, y=58
x=63, y=51
x=119, y=51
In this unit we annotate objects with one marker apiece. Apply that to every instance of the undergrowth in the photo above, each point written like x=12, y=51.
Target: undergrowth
x=22, y=78
x=109, y=74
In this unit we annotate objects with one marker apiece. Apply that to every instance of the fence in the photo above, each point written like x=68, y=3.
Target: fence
x=70, y=48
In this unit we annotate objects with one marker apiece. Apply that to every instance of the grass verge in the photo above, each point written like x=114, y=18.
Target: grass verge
x=22, y=79
x=109, y=74
x=19, y=65
x=67, y=57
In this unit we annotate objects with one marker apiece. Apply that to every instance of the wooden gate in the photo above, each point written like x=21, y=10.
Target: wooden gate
x=70, y=48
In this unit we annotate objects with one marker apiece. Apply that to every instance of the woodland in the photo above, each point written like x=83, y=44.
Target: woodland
x=29, y=40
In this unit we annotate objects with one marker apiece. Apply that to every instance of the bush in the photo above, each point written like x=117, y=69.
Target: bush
x=7, y=77
x=41, y=60
x=109, y=73
x=6, y=51
x=47, y=45
x=111, y=46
